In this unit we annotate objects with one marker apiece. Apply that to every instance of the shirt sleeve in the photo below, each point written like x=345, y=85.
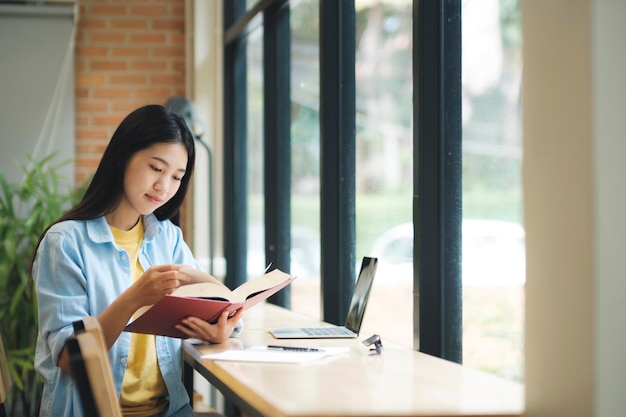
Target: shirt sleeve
x=61, y=290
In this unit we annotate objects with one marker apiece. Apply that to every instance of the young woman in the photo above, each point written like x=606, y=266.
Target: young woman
x=117, y=251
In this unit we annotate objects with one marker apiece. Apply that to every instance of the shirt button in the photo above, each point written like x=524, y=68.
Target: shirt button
x=123, y=361
x=123, y=256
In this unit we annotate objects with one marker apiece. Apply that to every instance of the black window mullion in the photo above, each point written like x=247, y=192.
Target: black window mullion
x=277, y=143
x=337, y=142
x=438, y=185
x=235, y=152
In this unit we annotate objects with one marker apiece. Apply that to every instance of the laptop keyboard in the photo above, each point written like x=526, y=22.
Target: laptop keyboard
x=326, y=331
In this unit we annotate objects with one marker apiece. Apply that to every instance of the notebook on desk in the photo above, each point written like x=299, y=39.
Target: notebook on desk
x=355, y=313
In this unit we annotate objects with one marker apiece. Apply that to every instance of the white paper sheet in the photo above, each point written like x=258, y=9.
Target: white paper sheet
x=263, y=354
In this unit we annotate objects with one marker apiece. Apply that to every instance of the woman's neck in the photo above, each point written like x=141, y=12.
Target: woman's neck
x=122, y=222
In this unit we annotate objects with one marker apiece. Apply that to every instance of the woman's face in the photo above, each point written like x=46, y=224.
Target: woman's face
x=152, y=178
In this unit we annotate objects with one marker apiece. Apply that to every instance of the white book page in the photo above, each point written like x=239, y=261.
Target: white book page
x=205, y=285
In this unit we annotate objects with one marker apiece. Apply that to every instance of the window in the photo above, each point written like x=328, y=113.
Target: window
x=468, y=214
x=493, y=233
x=384, y=163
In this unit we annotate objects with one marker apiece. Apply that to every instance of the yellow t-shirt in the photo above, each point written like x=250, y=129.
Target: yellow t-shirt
x=143, y=389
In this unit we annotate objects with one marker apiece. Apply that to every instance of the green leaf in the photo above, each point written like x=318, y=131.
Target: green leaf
x=15, y=376
x=26, y=209
x=17, y=298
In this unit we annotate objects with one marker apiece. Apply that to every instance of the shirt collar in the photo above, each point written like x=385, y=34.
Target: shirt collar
x=98, y=229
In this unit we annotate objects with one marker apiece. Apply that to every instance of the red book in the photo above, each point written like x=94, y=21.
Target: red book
x=205, y=298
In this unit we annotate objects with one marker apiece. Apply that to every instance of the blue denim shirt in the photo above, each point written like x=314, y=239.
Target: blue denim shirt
x=79, y=271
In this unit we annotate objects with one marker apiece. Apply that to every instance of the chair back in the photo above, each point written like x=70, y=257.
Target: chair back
x=90, y=325
x=91, y=370
x=5, y=379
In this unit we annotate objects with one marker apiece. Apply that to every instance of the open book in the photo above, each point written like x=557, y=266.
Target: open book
x=205, y=298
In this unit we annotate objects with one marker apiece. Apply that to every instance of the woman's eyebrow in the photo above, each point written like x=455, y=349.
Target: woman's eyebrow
x=163, y=161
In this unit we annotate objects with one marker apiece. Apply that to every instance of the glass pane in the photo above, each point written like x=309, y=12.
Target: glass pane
x=493, y=234
x=384, y=166
x=256, y=229
x=305, y=158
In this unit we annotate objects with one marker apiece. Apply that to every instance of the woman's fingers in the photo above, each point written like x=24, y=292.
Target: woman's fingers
x=214, y=333
x=157, y=281
x=167, y=278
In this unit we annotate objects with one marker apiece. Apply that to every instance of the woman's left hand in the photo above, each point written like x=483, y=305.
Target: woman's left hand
x=213, y=333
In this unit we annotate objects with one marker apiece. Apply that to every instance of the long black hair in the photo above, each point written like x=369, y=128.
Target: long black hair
x=141, y=129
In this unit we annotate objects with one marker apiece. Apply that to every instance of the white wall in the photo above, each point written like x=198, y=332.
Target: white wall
x=609, y=89
x=37, y=86
x=207, y=95
x=574, y=65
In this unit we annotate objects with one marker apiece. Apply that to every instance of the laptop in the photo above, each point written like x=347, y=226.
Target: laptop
x=355, y=313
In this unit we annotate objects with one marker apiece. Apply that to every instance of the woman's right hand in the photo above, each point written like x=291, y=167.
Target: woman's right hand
x=155, y=282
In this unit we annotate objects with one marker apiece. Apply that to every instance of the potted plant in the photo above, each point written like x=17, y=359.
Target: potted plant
x=26, y=209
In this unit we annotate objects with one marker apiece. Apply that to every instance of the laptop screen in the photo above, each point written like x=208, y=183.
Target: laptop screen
x=361, y=294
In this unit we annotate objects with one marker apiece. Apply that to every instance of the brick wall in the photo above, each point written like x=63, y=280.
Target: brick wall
x=128, y=53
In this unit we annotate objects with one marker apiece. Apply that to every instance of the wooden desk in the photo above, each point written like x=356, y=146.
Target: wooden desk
x=399, y=382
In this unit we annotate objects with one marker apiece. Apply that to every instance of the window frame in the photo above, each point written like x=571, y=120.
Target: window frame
x=437, y=212
x=437, y=201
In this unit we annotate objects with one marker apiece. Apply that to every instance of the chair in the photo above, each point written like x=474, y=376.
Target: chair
x=5, y=380
x=91, y=370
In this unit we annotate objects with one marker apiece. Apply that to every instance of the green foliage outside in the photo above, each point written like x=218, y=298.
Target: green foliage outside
x=385, y=211
x=26, y=209
x=388, y=210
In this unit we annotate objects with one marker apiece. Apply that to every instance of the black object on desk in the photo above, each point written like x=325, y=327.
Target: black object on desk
x=377, y=342
x=293, y=348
